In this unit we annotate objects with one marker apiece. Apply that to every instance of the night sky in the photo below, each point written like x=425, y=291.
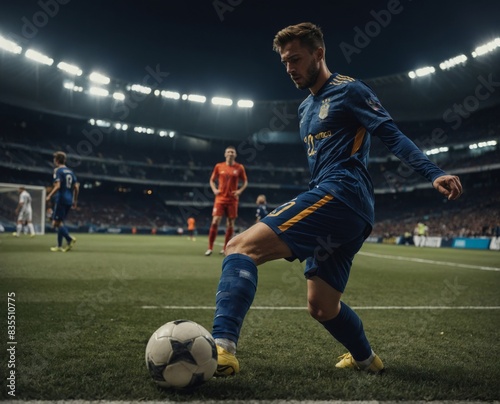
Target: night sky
x=224, y=47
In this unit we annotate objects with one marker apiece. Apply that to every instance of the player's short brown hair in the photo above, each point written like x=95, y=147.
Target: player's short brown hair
x=309, y=35
x=60, y=157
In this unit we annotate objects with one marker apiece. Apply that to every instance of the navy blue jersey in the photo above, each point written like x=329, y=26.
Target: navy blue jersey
x=67, y=180
x=335, y=127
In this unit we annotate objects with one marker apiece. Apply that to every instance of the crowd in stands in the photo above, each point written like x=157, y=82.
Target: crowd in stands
x=479, y=216
x=116, y=173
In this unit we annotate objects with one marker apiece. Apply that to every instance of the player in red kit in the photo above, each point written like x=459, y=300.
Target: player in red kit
x=224, y=182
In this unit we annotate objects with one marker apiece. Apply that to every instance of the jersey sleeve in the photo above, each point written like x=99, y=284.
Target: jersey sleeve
x=362, y=102
x=404, y=149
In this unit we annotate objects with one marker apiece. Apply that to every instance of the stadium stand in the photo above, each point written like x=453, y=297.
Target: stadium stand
x=118, y=173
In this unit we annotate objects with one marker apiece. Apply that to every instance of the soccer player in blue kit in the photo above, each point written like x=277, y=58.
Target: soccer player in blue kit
x=67, y=188
x=326, y=225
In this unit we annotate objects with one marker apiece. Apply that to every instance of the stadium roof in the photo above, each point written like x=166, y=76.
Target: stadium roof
x=223, y=48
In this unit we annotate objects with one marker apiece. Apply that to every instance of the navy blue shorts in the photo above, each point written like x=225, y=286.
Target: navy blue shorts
x=323, y=231
x=60, y=212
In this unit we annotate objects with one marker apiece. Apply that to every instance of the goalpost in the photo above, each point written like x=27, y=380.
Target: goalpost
x=9, y=199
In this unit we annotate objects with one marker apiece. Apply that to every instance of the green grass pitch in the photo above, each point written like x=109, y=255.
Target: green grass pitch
x=83, y=318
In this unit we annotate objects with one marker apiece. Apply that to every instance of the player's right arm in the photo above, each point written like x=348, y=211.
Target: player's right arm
x=213, y=177
x=19, y=206
x=55, y=188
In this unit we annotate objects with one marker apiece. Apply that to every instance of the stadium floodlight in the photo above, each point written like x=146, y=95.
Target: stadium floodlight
x=71, y=69
x=141, y=129
x=170, y=94
x=39, y=57
x=139, y=89
x=99, y=78
x=10, y=46
x=102, y=123
x=196, y=98
x=480, y=145
x=119, y=96
x=120, y=126
x=165, y=133
x=423, y=71
x=71, y=86
x=437, y=150
x=486, y=48
x=245, y=104
x=227, y=102
x=101, y=92
x=448, y=64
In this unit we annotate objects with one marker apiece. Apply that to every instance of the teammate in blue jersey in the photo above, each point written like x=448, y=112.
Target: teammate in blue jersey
x=327, y=225
x=262, y=211
x=66, y=189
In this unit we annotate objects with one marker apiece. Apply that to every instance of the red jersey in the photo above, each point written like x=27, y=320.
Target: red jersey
x=228, y=178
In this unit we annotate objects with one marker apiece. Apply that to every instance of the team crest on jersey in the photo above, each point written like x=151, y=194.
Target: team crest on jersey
x=325, y=106
x=374, y=104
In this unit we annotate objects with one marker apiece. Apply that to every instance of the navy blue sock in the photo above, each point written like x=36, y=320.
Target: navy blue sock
x=235, y=293
x=347, y=328
x=65, y=233
x=59, y=236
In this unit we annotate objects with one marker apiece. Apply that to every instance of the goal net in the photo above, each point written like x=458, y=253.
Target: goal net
x=9, y=199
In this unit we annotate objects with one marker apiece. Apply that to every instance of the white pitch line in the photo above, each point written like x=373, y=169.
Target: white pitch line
x=354, y=308
x=425, y=261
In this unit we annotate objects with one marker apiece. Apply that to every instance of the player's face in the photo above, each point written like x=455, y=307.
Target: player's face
x=302, y=65
x=230, y=154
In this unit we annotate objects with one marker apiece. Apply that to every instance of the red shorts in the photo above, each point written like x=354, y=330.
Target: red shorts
x=229, y=209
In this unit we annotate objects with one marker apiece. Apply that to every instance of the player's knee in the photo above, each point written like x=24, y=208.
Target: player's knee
x=315, y=312
x=240, y=245
x=319, y=312
x=234, y=246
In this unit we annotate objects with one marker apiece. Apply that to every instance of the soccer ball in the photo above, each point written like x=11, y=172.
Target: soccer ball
x=181, y=354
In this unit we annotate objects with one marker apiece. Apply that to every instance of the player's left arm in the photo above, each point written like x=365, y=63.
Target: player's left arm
x=76, y=192
x=244, y=186
x=243, y=177
x=449, y=185
x=403, y=148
